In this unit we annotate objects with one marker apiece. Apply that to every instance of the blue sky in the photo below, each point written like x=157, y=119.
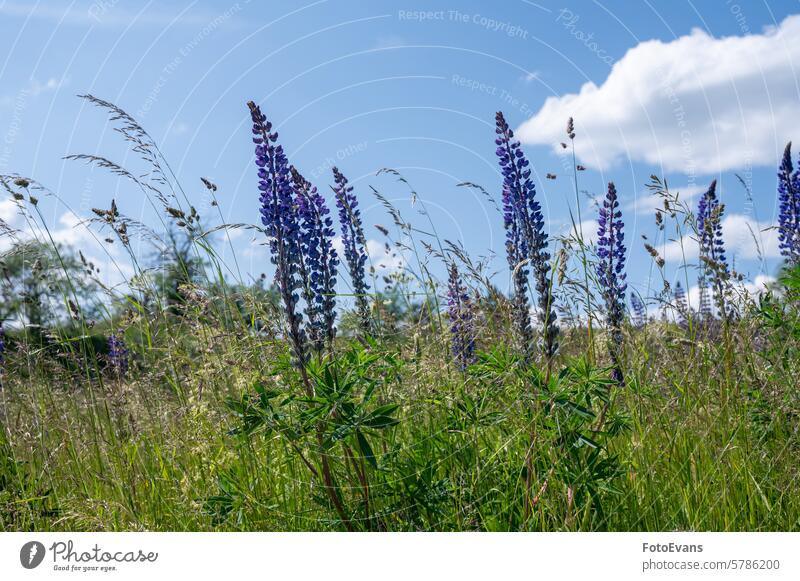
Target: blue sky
x=690, y=91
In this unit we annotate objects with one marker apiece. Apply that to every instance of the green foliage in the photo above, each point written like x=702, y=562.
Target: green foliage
x=37, y=282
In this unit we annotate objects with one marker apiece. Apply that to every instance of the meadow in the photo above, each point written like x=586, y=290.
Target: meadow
x=325, y=397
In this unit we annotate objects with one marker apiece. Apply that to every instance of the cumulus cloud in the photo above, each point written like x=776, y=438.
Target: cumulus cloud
x=745, y=238
x=646, y=203
x=588, y=228
x=385, y=263
x=9, y=211
x=752, y=288
x=697, y=104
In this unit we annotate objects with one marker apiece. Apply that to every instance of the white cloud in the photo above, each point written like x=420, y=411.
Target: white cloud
x=37, y=87
x=752, y=288
x=385, y=263
x=34, y=88
x=9, y=211
x=697, y=104
x=647, y=203
x=743, y=237
x=587, y=228
x=759, y=285
x=257, y=246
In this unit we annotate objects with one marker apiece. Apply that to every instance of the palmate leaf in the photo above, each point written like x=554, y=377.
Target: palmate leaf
x=381, y=417
x=341, y=432
x=586, y=441
x=366, y=449
x=572, y=408
x=380, y=422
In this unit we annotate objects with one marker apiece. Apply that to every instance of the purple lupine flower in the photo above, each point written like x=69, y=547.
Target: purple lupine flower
x=705, y=296
x=355, y=244
x=517, y=253
x=611, y=272
x=789, y=208
x=280, y=218
x=714, y=264
x=462, y=324
x=611, y=252
x=682, y=305
x=319, y=262
x=639, y=311
x=522, y=209
x=117, y=354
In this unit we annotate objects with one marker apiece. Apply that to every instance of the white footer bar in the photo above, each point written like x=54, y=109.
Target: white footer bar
x=386, y=556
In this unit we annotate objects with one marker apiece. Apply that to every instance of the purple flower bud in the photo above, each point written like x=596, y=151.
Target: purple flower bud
x=713, y=263
x=462, y=320
x=789, y=208
x=682, y=305
x=355, y=244
x=526, y=239
x=639, y=311
x=117, y=355
x=611, y=272
x=281, y=223
x=611, y=251
x=318, y=262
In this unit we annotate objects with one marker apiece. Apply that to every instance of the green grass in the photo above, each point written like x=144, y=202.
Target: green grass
x=703, y=437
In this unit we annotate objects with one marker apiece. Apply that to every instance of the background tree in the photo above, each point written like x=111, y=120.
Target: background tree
x=42, y=286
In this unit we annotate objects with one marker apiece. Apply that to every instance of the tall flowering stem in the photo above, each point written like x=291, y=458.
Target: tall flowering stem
x=714, y=264
x=789, y=208
x=280, y=218
x=319, y=262
x=611, y=273
x=706, y=313
x=517, y=253
x=682, y=304
x=462, y=323
x=639, y=311
x=117, y=354
x=525, y=227
x=355, y=244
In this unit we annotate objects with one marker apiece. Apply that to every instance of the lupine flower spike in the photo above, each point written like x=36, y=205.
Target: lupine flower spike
x=319, y=262
x=117, y=354
x=280, y=218
x=516, y=253
x=682, y=305
x=611, y=272
x=355, y=244
x=789, y=208
x=525, y=227
x=706, y=314
x=714, y=264
x=462, y=324
x=639, y=311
